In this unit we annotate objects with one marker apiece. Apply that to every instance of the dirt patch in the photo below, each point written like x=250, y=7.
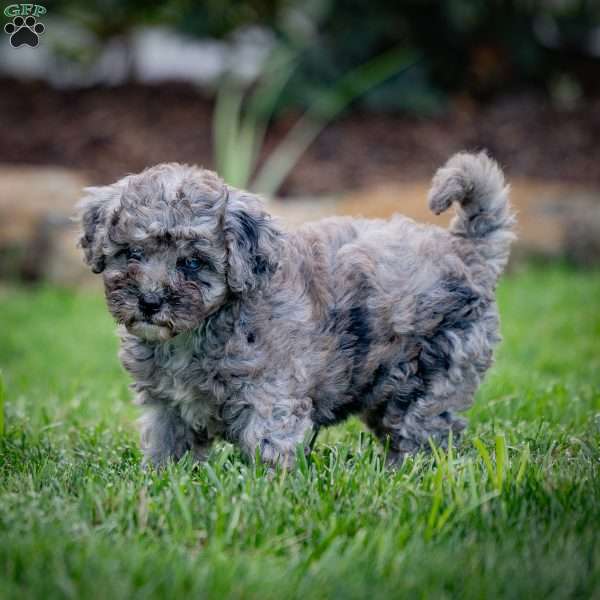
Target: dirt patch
x=108, y=132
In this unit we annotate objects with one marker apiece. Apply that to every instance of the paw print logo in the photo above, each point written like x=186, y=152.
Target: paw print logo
x=24, y=31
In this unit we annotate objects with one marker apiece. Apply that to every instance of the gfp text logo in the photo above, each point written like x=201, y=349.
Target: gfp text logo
x=25, y=28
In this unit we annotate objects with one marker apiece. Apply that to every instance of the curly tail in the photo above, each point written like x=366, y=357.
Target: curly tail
x=483, y=213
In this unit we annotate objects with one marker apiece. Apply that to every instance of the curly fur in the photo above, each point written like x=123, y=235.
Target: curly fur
x=278, y=333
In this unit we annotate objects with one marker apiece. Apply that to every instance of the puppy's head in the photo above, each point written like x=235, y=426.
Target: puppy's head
x=173, y=244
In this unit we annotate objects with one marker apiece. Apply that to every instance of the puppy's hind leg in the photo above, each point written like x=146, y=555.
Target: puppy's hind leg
x=166, y=437
x=423, y=408
x=417, y=431
x=407, y=429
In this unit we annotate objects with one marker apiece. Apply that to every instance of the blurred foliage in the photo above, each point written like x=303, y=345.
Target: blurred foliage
x=213, y=18
x=218, y=18
x=241, y=117
x=477, y=47
x=109, y=18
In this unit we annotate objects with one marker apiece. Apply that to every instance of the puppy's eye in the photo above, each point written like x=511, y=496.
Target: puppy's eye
x=189, y=263
x=135, y=253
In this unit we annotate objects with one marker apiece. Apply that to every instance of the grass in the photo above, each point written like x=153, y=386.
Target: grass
x=513, y=511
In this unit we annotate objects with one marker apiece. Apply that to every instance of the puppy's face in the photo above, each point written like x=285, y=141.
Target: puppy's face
x=174, y=244
x=159, y=286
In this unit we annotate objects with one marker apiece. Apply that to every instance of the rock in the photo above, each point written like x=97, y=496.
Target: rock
x=37, y=236
x=582, y=237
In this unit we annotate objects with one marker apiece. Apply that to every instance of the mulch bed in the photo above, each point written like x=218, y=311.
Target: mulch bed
x=109, y=132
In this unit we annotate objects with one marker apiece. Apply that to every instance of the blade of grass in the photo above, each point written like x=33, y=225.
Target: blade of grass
x=487, y=460
x=500, y=461
x=437, y=501
x=1, y=404
x=524, y=461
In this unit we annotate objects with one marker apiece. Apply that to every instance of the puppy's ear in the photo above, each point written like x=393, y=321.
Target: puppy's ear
x=93, y=213
x=252, y=240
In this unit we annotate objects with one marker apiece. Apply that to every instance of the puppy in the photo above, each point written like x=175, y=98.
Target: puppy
x=232, y=328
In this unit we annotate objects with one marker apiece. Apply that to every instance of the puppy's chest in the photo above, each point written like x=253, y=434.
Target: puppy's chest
x=187, y=381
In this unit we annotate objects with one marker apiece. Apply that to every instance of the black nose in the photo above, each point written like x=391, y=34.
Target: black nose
x=150, y=303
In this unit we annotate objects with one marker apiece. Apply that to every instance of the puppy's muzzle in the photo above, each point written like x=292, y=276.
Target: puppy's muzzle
x=150, y=303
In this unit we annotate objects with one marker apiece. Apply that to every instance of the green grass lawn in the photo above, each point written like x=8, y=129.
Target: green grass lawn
x=513, y=511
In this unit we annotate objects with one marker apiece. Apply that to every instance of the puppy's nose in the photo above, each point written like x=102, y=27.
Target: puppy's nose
x=150, y=303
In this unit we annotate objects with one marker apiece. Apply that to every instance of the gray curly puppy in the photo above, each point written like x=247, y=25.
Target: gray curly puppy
x=232, y=328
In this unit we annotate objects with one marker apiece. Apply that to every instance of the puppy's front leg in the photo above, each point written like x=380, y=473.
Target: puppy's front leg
x=166, y=437
x=274, y=428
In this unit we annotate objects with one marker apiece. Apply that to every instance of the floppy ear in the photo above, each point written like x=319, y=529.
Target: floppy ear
x=252, y=241
x=94, y=210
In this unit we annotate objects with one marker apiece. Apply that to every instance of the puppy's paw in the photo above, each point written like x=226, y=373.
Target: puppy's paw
x=274, y=454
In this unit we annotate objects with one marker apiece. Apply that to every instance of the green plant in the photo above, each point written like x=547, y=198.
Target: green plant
x=240, y=119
